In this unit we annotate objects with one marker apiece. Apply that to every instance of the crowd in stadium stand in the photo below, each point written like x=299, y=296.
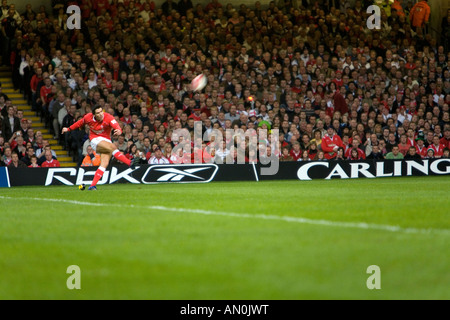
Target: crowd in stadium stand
x=334, y=88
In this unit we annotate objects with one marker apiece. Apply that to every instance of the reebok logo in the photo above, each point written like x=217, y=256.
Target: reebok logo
x=177, y=175
x=181, y=173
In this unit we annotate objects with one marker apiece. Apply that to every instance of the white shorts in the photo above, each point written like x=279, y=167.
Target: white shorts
x=96, y=141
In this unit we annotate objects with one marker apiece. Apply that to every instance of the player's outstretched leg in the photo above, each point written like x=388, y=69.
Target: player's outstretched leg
x=121, y=157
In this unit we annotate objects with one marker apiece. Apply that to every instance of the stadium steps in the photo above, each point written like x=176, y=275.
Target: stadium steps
x=18, y=100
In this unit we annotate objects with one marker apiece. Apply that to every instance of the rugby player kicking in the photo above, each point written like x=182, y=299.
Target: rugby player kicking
x=100, y=125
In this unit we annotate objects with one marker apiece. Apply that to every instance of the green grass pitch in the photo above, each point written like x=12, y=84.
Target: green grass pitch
x=287, y=240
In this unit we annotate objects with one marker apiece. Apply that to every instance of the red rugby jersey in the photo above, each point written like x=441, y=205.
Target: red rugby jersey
x=97, y=128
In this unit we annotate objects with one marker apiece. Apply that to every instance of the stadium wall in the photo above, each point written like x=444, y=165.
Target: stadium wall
x=204, y=173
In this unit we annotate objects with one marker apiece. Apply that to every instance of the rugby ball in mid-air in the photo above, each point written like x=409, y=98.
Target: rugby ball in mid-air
x=199, y=82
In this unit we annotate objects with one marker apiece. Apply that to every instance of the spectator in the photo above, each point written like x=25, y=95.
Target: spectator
x=213, y=5
x=157, y=157
x=4, y=9
x=446, y=153
x=437, y=147
x=421, y=149
x=50, y=162
x=54, y=107
x=24, y=129
x=100, y=7
x=167, y=150
x=376, y=154
x=397, y=10
x=40, y=152
x=394, y=154
x=18, y=145
x=317, y=138
x=445, y=31
x=412, y=154
x=92, y=159
x=355, y=145
x=331, y=143
x=340, y=154
x=403, y=145
x=167, y=7
x=33, y=162
x=15, y=162
x=29, y=154
x=121, y=143
x=178, y=157
x=370, y=143
x=183, y=6
x=68, y=120
x=312, y=150
x=7, y=156
x=136, y=155
x=354, y=155
x=285, y=156
x=391, y=142
x=296, y=152
x=10, y=124
x=445, y=140
x=9, y=26
x=420, y=14
x=305, y=156
x=320, y=156
x=430, y=154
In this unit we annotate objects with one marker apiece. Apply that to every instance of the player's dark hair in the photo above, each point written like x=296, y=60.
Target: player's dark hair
x=95, y=108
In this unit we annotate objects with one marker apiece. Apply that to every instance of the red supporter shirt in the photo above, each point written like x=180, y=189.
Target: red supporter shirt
x=404, y=148
x=85, y=9
x=328, y=143
x=195, y=117
x=97, y=128
x=294, y=155
x=34, y=82
x=51, y=164
x=422, y=151
x=445, y=142
x=45, y=92
x=361, y=153
x=99, y=5
x=126, y=120
x=339, y=83
x=438, y=150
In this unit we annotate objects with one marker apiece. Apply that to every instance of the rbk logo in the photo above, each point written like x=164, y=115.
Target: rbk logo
x=177, y=175
x=181, y=173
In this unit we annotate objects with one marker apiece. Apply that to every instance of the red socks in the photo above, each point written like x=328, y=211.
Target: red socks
x=100, y=171
x=98, y=175
x=121, y=157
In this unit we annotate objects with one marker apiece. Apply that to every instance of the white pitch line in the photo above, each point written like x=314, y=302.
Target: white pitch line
x=341, y=224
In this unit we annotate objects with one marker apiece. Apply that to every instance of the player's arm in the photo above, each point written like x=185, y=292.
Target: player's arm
x=75, y=126
x=116, y=127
